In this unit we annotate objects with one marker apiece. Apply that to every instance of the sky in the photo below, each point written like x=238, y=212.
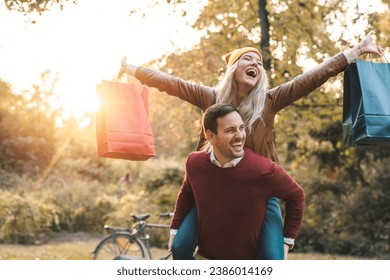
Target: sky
x=85, y=43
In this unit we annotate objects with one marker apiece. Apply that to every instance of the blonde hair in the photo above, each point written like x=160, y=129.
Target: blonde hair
x=252, y=106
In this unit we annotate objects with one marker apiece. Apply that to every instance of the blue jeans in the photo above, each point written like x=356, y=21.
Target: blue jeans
x=270, y=239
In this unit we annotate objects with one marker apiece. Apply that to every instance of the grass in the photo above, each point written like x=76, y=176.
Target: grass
x=65, y=247
x=79, y=246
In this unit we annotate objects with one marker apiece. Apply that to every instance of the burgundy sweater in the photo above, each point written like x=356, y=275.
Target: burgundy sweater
x=231, y=203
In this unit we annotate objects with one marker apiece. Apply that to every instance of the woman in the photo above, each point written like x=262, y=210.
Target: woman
x=245, y=86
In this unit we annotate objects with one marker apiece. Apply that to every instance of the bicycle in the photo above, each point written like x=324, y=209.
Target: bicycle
x=125, y=243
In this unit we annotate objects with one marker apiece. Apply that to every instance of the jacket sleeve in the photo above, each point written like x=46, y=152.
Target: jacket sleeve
x=281, y=185
x=198, y=95
x=184, y=203
x=287, y=93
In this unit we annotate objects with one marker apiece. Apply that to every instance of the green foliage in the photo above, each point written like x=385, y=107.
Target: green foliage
x=347, y=190
x=163, y=177
x=92, y=217
x=77, y=209
x=27, y=123
x=175, y=124
x=24, y=219
x=308, y=133
x=38, y=6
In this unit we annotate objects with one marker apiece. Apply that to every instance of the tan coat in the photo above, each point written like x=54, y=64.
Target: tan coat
x=261, y=140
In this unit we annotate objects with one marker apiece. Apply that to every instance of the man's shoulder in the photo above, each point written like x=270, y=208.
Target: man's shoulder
x=198, y=156
x=257, y=160
x=253, y=156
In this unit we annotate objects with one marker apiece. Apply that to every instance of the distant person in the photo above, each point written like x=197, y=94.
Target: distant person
x=230, y=186
x=125, y=182
x=245, y=85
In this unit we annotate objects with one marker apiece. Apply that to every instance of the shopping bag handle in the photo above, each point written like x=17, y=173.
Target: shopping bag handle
x=382, y=57
x=124, y=77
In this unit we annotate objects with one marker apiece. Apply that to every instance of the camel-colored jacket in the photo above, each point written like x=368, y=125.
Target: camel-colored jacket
x=261, y=139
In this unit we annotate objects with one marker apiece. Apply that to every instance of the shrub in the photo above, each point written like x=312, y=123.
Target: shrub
x=24, y=219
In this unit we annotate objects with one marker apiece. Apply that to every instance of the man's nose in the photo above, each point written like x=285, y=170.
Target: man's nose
x=240, y=134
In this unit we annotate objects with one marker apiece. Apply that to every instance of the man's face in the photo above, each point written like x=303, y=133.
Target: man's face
x=229, y=141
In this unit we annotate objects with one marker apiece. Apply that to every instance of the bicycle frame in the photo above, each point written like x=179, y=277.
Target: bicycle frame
x=121, y=239
x=138, y=230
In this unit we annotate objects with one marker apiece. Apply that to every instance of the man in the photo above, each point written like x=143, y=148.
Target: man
x=230, y=186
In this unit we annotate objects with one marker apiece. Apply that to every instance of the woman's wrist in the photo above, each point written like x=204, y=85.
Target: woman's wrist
x=351, y=55
x=130, y=69
x=358, y=50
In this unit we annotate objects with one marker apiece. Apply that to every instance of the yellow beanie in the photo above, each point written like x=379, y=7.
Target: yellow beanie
x=232, y=57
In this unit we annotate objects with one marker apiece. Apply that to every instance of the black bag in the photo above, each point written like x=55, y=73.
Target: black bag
x=366, y=104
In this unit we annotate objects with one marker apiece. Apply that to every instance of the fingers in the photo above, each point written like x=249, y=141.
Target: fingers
x=123, y=60
x=368, y=38
x=369, y=34
x=120, y=73
x=381, y=51
x=122, y=70
x=378, y=49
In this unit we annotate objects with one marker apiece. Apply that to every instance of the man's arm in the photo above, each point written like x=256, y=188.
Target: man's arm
x=184, y=203
x=283, y=186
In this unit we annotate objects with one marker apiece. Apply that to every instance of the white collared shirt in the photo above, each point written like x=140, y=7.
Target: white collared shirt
x=229, y=164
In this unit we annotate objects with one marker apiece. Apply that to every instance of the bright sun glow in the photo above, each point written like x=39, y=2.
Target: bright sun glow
x=85, y=43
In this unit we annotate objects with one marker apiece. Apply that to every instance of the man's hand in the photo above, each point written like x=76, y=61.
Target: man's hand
x=286, y=249
x=170, y=242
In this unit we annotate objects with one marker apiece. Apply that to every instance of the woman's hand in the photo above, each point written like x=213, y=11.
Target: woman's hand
x=367, y=45
x=123, y=68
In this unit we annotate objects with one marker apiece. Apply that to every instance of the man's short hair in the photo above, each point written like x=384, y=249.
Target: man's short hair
x=210, y=116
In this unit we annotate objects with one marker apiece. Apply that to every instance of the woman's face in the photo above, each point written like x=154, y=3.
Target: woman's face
x=248, y=70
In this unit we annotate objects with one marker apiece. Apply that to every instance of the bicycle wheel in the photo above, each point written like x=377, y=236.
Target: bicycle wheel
x=119, y=246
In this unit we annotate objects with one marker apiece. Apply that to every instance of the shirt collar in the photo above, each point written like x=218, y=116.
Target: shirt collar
x=229, y=164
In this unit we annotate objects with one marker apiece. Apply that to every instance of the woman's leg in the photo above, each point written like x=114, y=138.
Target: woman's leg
x=271, y=245
x=186, y=237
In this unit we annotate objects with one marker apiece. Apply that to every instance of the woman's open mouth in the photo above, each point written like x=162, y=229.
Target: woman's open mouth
x=251, y=72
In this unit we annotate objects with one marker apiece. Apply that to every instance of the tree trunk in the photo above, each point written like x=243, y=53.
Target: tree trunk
x=264, y=41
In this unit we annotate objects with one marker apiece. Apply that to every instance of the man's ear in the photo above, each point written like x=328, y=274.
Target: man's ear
x=210, y=136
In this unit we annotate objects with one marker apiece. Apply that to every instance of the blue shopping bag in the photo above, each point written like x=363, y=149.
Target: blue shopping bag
x=366, y=104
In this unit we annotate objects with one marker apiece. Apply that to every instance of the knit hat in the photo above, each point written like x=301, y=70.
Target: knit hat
x=232, y=57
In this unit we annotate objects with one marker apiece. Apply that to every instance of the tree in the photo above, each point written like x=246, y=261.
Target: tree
x=27, y=126
x=36, y=6
x=308, y=133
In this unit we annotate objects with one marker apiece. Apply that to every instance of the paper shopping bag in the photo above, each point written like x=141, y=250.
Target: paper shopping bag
x=122, y=124
x=366, y=104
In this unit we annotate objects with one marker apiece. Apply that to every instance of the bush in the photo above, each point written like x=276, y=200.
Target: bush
x=24, y=220
x=165, y=176
x=93, y=217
